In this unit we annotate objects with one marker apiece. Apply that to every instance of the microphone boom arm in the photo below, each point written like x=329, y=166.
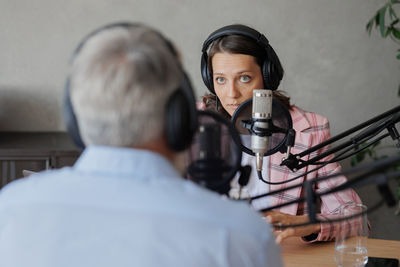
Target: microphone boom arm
x=295, y=163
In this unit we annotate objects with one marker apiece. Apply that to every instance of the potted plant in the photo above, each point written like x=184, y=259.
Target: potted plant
x=386, y=21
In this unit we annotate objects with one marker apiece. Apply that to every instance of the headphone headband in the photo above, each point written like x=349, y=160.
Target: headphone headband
x=271, y=68
x=236, y=29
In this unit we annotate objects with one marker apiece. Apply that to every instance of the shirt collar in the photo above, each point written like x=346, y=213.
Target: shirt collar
x=299, y=119
x=124, y=161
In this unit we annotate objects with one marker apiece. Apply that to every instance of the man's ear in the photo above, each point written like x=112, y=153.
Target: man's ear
x=180, y=162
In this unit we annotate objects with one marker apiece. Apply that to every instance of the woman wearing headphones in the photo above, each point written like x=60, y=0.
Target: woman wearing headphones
x=236, y=60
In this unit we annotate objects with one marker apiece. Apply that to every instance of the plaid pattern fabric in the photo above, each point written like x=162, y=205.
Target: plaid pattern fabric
x=311, y=129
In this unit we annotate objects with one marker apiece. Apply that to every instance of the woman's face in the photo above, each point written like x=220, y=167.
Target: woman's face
x=235, y=76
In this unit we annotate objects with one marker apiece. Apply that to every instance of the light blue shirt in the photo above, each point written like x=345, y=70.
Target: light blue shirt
x=126, y=207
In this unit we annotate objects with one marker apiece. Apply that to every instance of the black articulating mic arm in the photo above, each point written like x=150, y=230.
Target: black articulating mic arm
x=375, y=173
x=376, y=125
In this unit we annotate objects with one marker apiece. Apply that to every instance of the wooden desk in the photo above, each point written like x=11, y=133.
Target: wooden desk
x=296, y=253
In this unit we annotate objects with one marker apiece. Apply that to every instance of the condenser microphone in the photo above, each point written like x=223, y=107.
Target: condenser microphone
x=261, y=117
x=214, y=156
x=265, y=126
x=210, y=146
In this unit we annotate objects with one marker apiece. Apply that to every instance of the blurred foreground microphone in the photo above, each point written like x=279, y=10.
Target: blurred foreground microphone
x=261, y=116
x=215, y=156
x=265, y=126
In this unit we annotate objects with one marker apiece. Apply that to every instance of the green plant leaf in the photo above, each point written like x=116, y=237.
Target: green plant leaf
x=376, y=144
x=353, y=162
x=388, y=31
x=369, y=26
x=394, y=22
x=376, y=18
x=382, y=13
x=392, y=13
x=396, y=33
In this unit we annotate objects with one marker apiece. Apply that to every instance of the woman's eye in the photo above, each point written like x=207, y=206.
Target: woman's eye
x=220, y=80
x=245, y=78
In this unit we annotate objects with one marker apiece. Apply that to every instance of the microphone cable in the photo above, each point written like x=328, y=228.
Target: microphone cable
x=374, y=166
x=324, y=163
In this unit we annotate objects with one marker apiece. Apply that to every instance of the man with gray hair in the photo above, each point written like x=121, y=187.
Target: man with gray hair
x=124, y=203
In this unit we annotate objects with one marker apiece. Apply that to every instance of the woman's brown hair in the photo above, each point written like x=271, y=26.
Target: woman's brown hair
x=237, y=44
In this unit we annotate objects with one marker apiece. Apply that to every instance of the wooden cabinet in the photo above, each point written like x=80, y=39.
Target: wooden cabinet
x=34, y=152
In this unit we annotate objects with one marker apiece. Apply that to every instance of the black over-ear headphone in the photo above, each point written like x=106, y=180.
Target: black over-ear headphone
x=271, y=68
x=180, y=113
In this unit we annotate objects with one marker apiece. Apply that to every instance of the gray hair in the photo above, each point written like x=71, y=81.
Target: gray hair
x=121, y=80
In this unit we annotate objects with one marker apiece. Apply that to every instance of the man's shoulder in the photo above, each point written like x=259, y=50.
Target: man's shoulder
x=35, y=183
x=231, y=214
x=173, y=197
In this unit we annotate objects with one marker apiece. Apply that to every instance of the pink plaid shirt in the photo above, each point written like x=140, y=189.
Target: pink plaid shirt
x=311, y=129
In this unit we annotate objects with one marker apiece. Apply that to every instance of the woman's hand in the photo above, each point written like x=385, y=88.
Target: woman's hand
x=277, y=217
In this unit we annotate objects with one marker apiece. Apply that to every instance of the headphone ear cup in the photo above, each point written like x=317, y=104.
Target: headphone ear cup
x=70, y=118
x=205, y=73
x=266, y=73
x=178, y=121
x=272, y=70
x=270, y=76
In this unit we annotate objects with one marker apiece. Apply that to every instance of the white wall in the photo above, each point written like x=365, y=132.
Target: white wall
x=332, y=66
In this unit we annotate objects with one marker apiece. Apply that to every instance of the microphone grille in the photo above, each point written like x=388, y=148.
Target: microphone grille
x=262, y=103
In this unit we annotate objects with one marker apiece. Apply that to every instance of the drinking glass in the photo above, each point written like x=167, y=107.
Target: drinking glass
x=351, y=236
